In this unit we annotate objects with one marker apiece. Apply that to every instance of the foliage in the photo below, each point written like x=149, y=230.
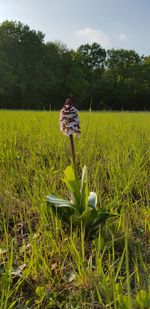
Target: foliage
x=35, y=74
x=81, y=210
x=43, y=266
x=91, y=57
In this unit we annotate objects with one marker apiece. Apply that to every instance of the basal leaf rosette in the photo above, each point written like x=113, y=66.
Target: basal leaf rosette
x=81, y=209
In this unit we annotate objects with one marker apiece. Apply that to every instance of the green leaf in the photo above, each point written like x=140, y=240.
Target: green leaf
x=101, y=219
x=72, y=184
x=40, y=292
x=84, y=189
x=76, y=220
x=84, y=176
x=87, y=217
x=58, y=202
x=143, y=299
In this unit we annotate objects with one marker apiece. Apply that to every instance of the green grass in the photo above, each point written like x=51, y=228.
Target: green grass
x=43, y=262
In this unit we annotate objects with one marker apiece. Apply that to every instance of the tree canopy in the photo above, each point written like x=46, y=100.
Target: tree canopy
x=35, y=74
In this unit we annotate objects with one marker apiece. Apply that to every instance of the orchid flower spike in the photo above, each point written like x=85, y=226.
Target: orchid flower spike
x=69, y=119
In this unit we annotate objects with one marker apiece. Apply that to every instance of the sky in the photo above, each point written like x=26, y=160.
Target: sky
x=111, y=23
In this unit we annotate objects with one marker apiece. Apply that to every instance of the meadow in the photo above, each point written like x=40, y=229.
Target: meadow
x=45, y=263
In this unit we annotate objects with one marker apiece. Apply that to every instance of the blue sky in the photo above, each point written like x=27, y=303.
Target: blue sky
x=112, y=23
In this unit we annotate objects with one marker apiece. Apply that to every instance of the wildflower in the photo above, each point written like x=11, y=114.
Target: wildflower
x=69, y=120
x=70, y=124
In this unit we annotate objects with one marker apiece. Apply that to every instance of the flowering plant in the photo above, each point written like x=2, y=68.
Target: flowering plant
x=69, y=120
x=81, y=209
x=70, y=125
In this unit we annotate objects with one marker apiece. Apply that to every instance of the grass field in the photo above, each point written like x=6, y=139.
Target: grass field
x=44, y=264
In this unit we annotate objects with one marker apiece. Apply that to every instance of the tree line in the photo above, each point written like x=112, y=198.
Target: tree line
x=35, y=74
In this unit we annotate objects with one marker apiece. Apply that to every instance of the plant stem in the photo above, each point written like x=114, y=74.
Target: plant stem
x=127, y=267
x=73, y=154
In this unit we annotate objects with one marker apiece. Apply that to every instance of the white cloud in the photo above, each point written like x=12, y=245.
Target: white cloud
x=89, y=35
x=122, y=37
